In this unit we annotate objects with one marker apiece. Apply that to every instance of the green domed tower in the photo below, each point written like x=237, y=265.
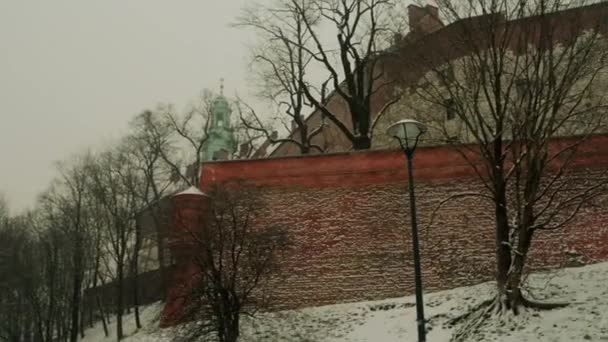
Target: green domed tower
x=221, y=143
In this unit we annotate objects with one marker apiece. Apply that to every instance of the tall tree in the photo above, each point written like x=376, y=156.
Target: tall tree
x=24, y=296
x=510, y=78
x=15, y=280
x=280, y=62
x=112, y=175
x=4, y=213
x=148, y=142
x=353, y=62
x=235, y=254
x=65, y=210
x=59, y=272
x=183, y=136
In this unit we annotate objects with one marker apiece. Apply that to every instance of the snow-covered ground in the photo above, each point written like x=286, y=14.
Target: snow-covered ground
x=585, y=319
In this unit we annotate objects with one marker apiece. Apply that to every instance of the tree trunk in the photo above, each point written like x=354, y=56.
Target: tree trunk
x=503, y=251
x=82, y=313
x=29, y=335
x=135, y=271
x=75, y=307
x=304, y=143
x=58, y=328
x=119, y=301
x=63, y=327
x=232, y=328
x=93, y=287
x=51, y=310
x=90, y=308
x=39, y=335
x=519, y=259
x=304, y=148
x=103, y=315
x=362, y=142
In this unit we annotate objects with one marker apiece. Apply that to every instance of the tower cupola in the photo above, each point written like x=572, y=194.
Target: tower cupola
x=221, y=141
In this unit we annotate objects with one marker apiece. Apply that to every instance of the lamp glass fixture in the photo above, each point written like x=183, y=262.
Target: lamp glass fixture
x=407, y=129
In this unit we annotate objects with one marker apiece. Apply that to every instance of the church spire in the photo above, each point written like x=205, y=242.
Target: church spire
x=221, y=142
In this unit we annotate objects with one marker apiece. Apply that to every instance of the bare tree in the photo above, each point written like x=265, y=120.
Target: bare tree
x=32, y=289
x=113, y=176
x=148, y=142
x=60, y=228
x=4, y=212
x=280, y=63
x=72, y=204
x=58, y=249
x=148, y=182
x=4, y=224
x=180, y=139
x=511, y=77
x=249, y=138
x=235, y=256
x=353, y=63
x=19, y=284
x=59, y=280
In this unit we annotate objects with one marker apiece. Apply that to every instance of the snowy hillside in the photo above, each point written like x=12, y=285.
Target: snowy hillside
x=585, y=319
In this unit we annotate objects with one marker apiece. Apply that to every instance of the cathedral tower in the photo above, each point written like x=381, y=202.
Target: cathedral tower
x=221, y=143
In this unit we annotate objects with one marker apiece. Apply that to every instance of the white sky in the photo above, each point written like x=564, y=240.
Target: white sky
x=74, y=72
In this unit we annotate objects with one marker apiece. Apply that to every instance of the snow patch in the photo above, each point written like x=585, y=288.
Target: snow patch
x=392, y=320
x=192, y=191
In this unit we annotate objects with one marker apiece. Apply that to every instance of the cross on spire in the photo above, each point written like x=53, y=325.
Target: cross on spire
x=222, y=86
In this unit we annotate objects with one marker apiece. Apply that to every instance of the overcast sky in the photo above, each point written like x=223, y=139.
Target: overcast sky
x=73, y=73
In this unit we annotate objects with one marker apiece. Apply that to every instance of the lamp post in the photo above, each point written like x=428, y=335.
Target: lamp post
x=408, y=132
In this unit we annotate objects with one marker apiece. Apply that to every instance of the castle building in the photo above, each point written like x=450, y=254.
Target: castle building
x=431, y=46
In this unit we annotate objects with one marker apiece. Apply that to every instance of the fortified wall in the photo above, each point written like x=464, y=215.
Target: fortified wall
x=348, y=217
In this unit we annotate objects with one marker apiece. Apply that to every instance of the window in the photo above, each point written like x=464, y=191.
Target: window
x=450, y=109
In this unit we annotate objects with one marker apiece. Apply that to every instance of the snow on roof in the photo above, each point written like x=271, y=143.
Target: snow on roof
x=192, y=191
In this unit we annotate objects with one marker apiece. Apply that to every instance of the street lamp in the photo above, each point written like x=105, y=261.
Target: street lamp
x=408, y=132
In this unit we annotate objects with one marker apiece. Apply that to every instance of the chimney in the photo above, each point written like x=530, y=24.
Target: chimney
x=244, y=150
x=423, y=20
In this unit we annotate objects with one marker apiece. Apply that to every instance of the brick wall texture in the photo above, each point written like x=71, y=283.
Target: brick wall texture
x=348, y=216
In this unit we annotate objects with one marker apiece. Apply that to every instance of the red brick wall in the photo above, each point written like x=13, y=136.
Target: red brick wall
x=186, y=220
x=348, y=217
